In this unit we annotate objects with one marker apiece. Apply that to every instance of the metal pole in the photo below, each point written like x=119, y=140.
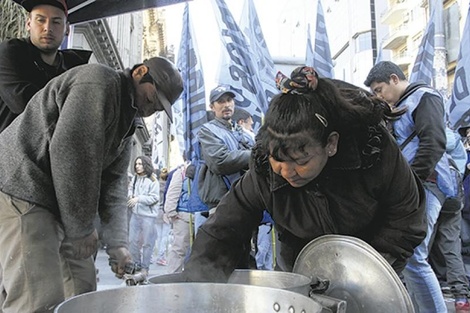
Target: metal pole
x=440, y=52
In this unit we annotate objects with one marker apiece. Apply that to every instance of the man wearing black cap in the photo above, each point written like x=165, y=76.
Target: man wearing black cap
x=27, y=64
x=64, y=160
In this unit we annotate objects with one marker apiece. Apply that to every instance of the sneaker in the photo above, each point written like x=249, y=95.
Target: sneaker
x=162, y=262
x=462, y=305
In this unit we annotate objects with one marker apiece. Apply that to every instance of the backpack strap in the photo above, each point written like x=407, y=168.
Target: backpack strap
x=133, y=186
x=408, y=140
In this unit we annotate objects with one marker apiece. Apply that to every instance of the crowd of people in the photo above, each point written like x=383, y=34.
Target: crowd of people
x=329, y=158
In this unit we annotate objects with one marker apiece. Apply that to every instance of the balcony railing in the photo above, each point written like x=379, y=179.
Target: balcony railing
x=394, y=13
x=396, y=38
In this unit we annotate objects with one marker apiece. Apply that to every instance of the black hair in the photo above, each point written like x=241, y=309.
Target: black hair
x=380, y=73
x=358, y=96
x=146, y=78
x=136, y=66
x=240, y=115
x=147, y=165
x=294, y=121
x=210, y=115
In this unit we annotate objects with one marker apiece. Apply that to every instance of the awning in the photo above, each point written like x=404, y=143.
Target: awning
x=87, y=10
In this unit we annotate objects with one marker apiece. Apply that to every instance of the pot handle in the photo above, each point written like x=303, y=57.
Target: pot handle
x=319, y=285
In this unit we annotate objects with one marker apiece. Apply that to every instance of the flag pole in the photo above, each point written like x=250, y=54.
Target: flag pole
x=440, y=59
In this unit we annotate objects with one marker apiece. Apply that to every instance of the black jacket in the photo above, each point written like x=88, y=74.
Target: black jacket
x=23, y=73
x=373, y=196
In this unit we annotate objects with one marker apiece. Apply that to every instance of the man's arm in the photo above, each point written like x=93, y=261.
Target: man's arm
x=173, y=194
x=16, y=83
x=80, y=144
x=219, y=158
x=430, y=129
x=112, y=206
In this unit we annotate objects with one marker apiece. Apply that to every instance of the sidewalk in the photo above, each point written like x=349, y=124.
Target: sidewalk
x=108, y=280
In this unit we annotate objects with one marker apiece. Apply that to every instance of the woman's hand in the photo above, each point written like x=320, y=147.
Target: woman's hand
x=132, y=202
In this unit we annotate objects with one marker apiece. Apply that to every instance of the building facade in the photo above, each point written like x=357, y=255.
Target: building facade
x=407, y=20
x=389, y=30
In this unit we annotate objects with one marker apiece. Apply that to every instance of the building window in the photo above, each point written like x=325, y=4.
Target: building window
x=363, y=42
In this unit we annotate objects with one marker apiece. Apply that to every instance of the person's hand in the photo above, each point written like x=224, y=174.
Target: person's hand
x=119, y=258
x=85, y=247
x=132, y=202
x=166, y=218
x=169, y=219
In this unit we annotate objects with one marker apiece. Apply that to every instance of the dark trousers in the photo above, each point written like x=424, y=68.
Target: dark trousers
x=445, y=256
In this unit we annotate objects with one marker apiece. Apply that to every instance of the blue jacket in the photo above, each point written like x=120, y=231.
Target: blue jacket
x=226, y=153
x=426, y=152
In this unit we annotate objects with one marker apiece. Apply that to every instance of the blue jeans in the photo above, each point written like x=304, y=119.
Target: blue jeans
x=421, y=282
x=198, y=221
x=142, y=237
x=264, y=255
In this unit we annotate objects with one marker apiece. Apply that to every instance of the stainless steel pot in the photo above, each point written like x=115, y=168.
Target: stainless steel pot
x=191, y=297
x=281, y=280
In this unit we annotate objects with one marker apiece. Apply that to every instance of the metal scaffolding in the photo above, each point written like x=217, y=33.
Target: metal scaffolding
x=12, y=20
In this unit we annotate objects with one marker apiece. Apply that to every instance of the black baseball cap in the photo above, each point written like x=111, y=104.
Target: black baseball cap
x=219, y=91
x=30, y=4
x=168, y=81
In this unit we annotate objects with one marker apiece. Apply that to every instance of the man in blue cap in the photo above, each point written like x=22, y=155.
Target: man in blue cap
x=225, y=150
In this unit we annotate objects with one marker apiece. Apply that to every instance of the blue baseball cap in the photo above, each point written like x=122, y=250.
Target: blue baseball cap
x=219, y=91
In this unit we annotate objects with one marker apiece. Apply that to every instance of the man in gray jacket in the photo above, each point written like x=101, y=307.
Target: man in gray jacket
x=226, y=151
x=63, y=161
x=224, y=148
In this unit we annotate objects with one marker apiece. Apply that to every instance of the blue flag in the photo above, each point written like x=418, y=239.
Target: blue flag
x=322, y=62
x=158, y=146
x=193, y=99
x=237, y=68
x=459, y=108
x=379, y=57
x=309, y=53
x=423, y=68
x=251, y=27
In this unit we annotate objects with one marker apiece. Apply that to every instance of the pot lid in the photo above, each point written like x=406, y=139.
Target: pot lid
x=349, y=269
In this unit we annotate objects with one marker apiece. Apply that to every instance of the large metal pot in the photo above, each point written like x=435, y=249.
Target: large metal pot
x=273, y=279
x=281, y=280
x=191, y=297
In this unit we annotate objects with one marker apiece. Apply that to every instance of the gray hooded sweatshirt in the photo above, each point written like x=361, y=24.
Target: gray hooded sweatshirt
x=69, y=151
